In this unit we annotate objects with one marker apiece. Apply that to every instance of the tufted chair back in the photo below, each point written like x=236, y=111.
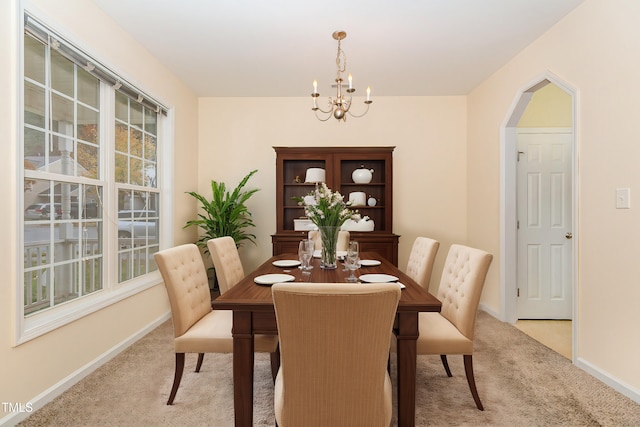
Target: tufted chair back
x=226, y=261
x=421, y=258
x=341, y=245
x=187, y=285
x=461, y=285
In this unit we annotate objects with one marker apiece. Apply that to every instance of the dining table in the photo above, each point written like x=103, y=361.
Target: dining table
x=253, y=313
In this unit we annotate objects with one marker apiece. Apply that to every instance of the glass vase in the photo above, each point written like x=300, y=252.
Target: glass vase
x=329, y=237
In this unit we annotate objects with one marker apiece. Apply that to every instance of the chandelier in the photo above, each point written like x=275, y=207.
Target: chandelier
x=339, y=106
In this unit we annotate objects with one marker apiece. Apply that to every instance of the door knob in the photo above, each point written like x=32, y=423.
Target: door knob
x=568, y=235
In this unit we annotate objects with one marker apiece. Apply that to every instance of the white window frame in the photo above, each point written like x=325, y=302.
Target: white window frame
x=37, y=324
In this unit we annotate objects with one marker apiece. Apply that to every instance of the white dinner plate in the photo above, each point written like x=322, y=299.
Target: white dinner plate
x=378, y=278
x=270, y=279
x=286, y=263
x=369, y=262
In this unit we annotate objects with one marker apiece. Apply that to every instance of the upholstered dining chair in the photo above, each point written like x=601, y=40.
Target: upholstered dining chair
x=197, y=328
x=452, y=330
x=226, y=262
x=334, y=345
x=420, y=264
x=341, y=245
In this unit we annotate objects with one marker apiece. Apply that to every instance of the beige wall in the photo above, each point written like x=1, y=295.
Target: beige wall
x=32, y=368
x=592, y=49
x=237, y=135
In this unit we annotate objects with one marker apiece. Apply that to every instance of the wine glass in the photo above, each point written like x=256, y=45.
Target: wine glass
x=344, y=261
x=352, y=260
x=353, y=245
x=310, y=246
x=302, y=248
x=305, y=253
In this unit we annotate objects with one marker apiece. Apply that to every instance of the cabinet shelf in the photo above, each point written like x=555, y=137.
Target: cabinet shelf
x=368, y=184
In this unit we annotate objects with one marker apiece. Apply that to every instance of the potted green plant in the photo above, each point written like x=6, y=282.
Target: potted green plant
x=225, y=214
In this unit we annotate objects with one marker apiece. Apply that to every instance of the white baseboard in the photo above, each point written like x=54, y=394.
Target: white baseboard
x=63, y=385
x=621, y=387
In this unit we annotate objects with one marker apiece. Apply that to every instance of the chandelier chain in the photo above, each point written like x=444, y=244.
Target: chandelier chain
x=341, y=69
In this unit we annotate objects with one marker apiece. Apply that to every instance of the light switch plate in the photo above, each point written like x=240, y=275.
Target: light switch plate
x=623, y=198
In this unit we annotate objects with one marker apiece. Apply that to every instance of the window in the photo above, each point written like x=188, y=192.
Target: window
x=91, y=202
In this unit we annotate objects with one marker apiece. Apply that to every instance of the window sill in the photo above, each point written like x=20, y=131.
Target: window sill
x=45, y=322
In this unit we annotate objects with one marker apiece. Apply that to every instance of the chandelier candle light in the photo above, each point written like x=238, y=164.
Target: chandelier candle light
x=341, y=104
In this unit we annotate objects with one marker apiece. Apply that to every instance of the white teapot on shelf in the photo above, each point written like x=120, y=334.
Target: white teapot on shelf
x=362, y=175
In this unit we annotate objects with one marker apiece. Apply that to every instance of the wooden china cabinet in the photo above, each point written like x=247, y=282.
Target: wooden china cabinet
x=339, y=163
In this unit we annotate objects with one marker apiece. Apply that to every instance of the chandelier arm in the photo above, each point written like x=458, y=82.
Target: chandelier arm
x=329, y=111
x=329, y=115
x=347, y=102
x=360, y=115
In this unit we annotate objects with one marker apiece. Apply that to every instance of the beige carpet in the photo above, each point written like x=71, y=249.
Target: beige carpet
x=520, y=381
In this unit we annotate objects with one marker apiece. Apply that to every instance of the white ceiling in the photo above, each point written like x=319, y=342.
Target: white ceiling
x=278, y=47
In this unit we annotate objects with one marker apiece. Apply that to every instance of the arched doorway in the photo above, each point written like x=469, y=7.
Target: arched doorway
x=513, y=213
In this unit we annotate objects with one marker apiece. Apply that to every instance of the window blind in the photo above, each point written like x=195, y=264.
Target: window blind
x=90, y=64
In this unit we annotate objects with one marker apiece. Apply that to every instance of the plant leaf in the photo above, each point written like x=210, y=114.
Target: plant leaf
x=226, y=214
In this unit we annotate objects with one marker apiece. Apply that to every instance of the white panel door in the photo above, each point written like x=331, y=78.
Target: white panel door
x=544, y=266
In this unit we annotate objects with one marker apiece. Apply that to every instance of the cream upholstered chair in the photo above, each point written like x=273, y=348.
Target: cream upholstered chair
x=197, y=328
x=229, y=272
x=226, y=262
x=420, y=264
x=334, y=346
x=451, y=331
x=343, y=239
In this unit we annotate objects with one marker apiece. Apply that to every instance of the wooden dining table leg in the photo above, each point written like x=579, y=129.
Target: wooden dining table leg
x=407, y=335
x=243, y=361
